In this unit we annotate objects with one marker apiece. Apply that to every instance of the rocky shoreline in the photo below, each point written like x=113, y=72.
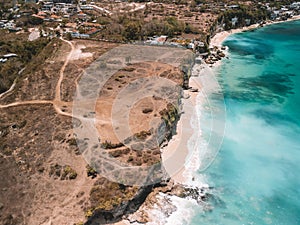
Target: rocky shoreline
x=218, y=51
x=203, y=194
x=176, y=186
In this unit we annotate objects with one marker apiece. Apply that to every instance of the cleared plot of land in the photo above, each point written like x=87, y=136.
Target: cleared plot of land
x=112, y=97
x=141, y=112
x=144, y=114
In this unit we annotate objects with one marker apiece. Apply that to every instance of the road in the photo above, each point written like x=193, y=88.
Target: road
x=56, y=102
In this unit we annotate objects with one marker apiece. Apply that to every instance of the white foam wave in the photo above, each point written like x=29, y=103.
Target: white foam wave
x=182, y=212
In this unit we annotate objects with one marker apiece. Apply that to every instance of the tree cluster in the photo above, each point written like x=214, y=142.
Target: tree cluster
x=245, y=12
x=135, y=29
x=25, y=50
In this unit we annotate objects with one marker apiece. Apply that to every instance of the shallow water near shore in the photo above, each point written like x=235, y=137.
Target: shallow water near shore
x=255, y=177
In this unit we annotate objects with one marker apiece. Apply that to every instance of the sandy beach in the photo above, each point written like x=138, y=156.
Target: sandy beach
x=220, y=37
x=175, y=154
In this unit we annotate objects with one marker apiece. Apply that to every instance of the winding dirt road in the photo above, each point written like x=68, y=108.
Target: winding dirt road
x=56, y=102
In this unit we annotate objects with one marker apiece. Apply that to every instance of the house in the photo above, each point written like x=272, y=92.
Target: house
x=81, y=15
x=55, y=17
x=84, y=35
x=295, y=5
x=275, y=13
x=38, y=16
x=92, y=31
x=82, y=2
x=78, y=35
x=70, y=25
x=86, y=7
x=198, y=60
x=71, y=9
x=233, y=6
x=248, y=22
x=234, y=21
x=47, y=6
x=14, y=29
x=41, y=13
x=200, y=44
x=191, y=46
x=97, y=25
x=75, y=34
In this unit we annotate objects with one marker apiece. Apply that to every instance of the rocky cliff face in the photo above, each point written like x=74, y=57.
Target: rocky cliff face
x=102, y=216
x=111, y=201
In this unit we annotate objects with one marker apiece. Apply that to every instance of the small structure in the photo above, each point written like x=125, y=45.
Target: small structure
x=9, y=55
x=81, y=15
x=233, y=6
x=198, y=60
x=191, y=46
x=248, y=22
x=159, y=40
x=234, y=20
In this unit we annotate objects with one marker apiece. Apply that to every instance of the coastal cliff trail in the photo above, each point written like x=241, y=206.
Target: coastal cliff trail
x=56, y=102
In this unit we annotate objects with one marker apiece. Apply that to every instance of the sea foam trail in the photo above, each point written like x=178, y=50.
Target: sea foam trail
x=208, y=119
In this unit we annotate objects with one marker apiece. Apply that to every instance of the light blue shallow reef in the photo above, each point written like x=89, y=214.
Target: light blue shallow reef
x=256, y=175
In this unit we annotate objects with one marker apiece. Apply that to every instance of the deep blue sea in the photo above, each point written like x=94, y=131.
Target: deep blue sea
x=256, y=175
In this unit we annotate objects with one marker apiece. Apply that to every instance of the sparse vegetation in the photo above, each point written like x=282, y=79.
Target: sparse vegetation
x=169, y=115
x=63, y=172
x=91, y=172
x=106, y=195
x=142, y=135
x=25, y=51
x=72, y=142
x=68, y=173
x=147, y=110
x=108, y=145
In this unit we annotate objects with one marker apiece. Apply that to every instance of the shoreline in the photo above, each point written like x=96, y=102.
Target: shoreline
x=179, y=141
x=177, y=148
x=184, y=175
x=220, y=37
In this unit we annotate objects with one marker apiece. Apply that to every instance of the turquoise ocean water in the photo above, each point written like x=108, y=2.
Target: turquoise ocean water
x=256, y=175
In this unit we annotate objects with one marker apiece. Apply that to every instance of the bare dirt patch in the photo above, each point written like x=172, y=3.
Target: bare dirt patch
x=145, y=115
x=85, y=53
x=139, y=121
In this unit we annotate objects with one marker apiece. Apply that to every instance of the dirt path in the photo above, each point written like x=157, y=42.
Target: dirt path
x=61, y=73
x=12, y=86
x=56, y=102
x=32, y=102
x=65, y=207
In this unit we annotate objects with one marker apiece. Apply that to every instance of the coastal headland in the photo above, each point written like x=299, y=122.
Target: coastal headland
x=94, y=127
